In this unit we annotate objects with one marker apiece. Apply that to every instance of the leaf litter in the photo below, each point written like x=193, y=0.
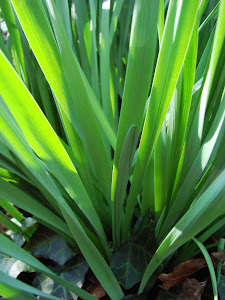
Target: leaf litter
x=181, y=272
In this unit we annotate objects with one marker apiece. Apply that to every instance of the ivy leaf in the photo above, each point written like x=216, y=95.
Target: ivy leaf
x=129, y=263
x=221, y=287
x=29, y=226
x=18, y=238
x=48, y=244
x=13, y=267
x=74, y=272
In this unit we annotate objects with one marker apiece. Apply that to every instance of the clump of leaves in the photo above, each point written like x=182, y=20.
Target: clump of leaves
x=112, y=135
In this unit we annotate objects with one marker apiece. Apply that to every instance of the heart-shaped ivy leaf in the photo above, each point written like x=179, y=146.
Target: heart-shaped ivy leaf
x=13, y=267
x=130, y=261
x=128, y=264
x=48, y=244
x=74, y=272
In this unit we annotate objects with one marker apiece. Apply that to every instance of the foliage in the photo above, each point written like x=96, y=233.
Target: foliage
x=112, y=111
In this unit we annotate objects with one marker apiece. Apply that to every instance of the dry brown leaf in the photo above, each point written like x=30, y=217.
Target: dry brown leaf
x=219, y=256
x=96, y=290
x=192, y=289
x=180, y=273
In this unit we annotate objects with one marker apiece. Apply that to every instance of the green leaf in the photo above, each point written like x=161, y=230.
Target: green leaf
x=60, y=70
x=16, y=45
x=7, y=222
x=210, y=16
x=118, y=191
x=144, y=232
x=14, y=195
x=220, y=247
x=46, y=243
x=181, y=19
x=195, y=137
x=13, y=211
x=84, y=35
x=29, y=226
x=148, y=197
x=117, y=7
x=129, y=263
x=64, y=12
x=210, y=267
x=44, y=141
x=104, y=56
x=15, y=283
x=4, y=48
x=197, y=168
x=11, y=249
x=94, y=57
x=8, y=292
x=139, y=69
x=204, y=210
x=74, y=272
x=12, y=135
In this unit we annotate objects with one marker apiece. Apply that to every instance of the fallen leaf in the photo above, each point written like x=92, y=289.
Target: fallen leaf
x=192, y=289
x=219, y=256
x=180, y=273
x=96, y=290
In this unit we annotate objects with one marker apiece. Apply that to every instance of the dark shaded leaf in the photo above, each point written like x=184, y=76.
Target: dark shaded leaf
x=144, y=232
x=129, y=263
x=13, y=267
x=180, y=273
x=221, y=287
x=219, y=256
x=74, y=272
x=192, y=289
x=47, y=244
x=123, y=172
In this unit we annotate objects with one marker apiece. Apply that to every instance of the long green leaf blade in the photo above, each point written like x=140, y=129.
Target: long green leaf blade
x=180, y=22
